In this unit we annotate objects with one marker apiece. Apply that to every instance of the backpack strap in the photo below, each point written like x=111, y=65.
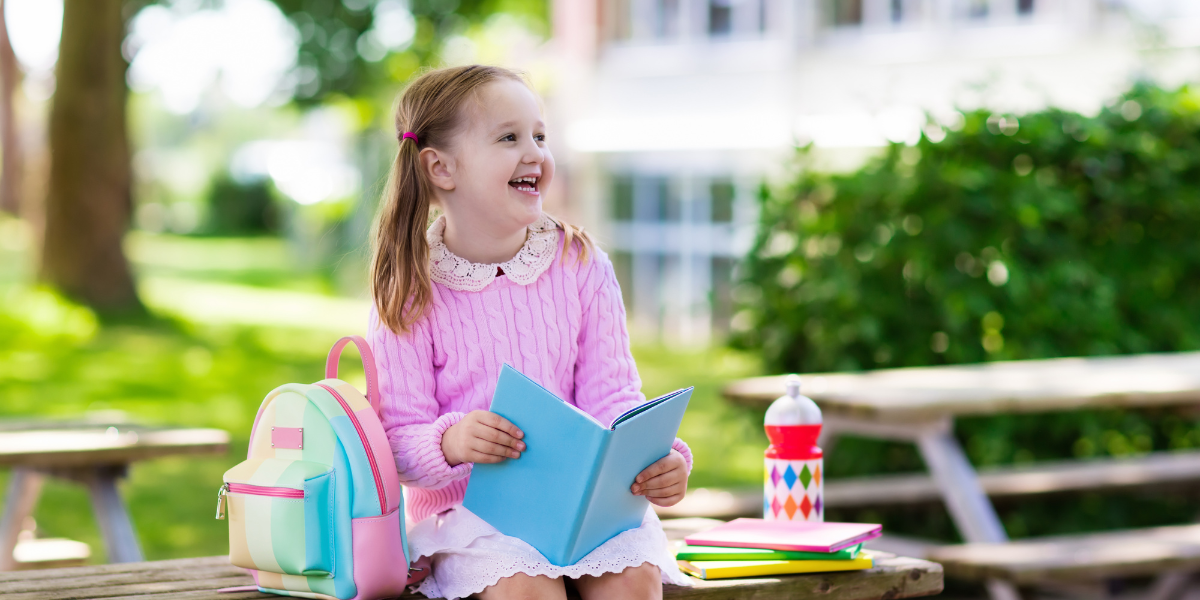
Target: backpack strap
x=368, y=360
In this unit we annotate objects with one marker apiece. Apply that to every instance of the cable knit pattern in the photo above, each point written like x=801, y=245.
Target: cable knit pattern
x=565, y=329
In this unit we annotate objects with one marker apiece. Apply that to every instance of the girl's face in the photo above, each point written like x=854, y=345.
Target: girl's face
x=500, y=163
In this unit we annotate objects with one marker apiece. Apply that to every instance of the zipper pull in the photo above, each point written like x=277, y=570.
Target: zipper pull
x=221, y=501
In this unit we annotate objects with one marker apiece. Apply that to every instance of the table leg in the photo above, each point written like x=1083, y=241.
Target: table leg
x=968, y=504
x=23, y=491
x=120, y=541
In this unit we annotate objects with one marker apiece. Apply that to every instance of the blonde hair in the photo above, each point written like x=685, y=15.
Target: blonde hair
x=431, y=108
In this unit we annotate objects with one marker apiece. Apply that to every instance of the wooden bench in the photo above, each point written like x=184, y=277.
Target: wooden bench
x=95, y=453
x=919, y=405
x=200, y=578
x=1125, y=553
x=1151, y=470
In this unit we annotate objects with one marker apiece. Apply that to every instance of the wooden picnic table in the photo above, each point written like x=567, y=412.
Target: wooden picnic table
x=200, y=578
x=919, y=405
x=95, y=454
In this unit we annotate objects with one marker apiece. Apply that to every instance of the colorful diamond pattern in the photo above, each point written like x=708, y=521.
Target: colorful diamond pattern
x=793, y=492
x=789, y=477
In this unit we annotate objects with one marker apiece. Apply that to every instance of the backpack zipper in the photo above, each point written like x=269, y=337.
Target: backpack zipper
x=362, y=435
x=253, y=490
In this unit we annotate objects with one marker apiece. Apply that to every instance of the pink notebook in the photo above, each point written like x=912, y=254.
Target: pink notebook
x=797, y=536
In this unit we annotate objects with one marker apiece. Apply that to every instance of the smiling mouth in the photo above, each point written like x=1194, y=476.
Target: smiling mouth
x=529, y=185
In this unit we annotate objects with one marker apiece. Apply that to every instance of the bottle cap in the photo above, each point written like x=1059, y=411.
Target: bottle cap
x=793, y=408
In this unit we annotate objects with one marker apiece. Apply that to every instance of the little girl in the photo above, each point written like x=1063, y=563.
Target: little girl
x=495, y=280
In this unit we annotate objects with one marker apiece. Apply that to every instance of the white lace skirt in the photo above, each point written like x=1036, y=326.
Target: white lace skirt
x=469, y=555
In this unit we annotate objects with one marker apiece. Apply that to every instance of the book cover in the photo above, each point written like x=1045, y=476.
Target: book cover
x=796, y=536
x=723, y=569
x=569, y=491
x=694, y=553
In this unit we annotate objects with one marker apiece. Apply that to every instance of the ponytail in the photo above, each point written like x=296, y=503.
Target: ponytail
x=400, y=265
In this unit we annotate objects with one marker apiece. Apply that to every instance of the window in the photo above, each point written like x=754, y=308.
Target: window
x=666, y=19
x=722, y=293
x=977, y=9
x=897, y=13
x=622, y=198
x=722, y=195
x=623, y=267
x=846, y=12
x=720, y=17
x=1025, y=7
x=670, y=205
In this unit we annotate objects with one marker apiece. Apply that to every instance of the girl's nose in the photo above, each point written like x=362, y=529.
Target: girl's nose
x=534, y=154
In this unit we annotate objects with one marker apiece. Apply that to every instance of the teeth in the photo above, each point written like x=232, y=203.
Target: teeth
x=525, y=179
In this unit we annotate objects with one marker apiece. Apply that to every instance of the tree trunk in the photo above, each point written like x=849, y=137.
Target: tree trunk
x=88, y=202
x=10, y=140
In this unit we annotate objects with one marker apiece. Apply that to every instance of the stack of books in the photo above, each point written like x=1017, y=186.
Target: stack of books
x=755, y=547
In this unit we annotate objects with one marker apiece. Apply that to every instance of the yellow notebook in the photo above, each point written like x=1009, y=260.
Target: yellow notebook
x=722, y=569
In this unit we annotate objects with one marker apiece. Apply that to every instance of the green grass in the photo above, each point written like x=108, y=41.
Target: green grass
x=198, y=366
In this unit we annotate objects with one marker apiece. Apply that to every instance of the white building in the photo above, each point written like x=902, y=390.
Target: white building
x=673, y=112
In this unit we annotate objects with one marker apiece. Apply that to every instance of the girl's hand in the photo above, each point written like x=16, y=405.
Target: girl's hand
x=664, y=482
x=483, y=437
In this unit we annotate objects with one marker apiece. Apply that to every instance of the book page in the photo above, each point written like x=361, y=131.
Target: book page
x=639, y=409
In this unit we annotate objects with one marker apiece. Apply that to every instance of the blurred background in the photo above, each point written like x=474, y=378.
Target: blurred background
x=187, y=188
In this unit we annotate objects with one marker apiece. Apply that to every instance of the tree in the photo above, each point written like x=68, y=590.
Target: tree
x=10, y=141
x=89, y=201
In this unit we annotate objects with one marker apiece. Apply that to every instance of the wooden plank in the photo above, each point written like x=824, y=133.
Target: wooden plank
x=921, y=393
x=198, y=579
x=108, y=579
x=1159, y=468
x=160, y=565
x=132, y=589
x=82, y=447
x=1127, y=553
x=1155, y=469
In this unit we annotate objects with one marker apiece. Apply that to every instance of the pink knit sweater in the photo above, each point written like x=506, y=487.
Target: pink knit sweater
x=564, y=329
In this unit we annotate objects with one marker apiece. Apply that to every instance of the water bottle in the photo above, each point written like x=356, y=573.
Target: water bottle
x=794, y=488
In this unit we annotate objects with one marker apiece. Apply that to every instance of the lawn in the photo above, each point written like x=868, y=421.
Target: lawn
x=233, y=319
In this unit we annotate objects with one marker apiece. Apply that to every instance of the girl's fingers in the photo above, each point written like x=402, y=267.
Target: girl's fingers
x=496, y=421
x=663, y=481
x=497, y=436
x=658, y=468
x=666, y=492
x=494, y=449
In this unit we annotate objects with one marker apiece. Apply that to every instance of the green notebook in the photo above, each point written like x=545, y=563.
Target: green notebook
x=714, y=553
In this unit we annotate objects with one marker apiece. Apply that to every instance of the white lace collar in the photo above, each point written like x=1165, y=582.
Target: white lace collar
x=460, y=274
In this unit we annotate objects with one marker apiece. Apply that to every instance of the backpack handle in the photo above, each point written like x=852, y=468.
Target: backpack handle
x=368, y=360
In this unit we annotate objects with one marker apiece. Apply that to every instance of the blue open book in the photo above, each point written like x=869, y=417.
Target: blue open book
x=569, y=491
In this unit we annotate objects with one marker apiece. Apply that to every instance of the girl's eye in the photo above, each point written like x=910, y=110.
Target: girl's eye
x=541, y=137
x=509, y=138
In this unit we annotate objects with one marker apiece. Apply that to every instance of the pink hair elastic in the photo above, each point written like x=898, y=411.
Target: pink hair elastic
x=408, y=135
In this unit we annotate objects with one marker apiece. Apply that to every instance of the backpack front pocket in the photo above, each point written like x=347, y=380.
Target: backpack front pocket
x=280, y=516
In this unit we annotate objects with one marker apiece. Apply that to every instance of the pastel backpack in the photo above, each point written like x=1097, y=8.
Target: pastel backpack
x=315, y=510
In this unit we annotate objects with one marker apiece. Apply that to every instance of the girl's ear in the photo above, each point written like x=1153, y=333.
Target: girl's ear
x=438, y=167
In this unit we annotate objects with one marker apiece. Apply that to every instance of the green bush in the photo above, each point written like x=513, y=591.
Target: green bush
x=1011, y=237
x=241, y=208
x=1051, y=234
